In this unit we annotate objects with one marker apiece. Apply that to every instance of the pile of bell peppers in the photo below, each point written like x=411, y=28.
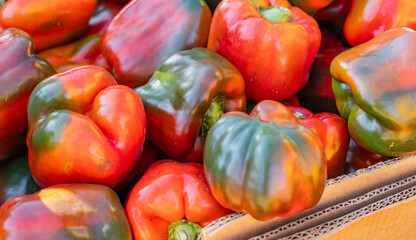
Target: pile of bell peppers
x=147, y=119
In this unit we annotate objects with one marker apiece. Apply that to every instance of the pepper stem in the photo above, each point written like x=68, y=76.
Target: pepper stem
x=275, y=14
x=184, y=230
x=215, y=110
x=299, y=115
x=2, y=3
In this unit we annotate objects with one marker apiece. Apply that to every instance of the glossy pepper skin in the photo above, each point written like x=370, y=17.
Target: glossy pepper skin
x=140, y=39
x=274, y=58
x=83, y=127
x=310, y=6
x=102, y=17
x=358, y=158
x=65, y=211
x=21, y=70
x=333, y=132
x=85, y=51
x=374, y=88
x=168, y=192
x=369, y=18
x=49, y=23
x=179, y=96
x=16, y=179
x=283, y=163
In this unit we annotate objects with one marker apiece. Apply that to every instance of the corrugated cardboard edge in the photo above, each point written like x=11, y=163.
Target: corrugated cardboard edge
x=328, y=228
x=342, y=195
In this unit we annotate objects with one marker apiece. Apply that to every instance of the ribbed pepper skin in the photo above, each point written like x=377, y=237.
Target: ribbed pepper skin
x=375, y=90
x=268, y=164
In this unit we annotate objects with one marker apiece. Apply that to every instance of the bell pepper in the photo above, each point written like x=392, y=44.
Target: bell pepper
x=335, y=12
x=49, y=23
x=20, y=72
x=171, y=199
x=103, y=15
x=16, y=179
x=369, y=18
x=317, y=95
x=185, y=96
x=146, y=32
x=83, y=127
x=266, y=164
x=274, y=53
x=375, y=90
x=66, y=211
x=358, y=158
x=310, y=6
x=333, y=132
x=85, y=51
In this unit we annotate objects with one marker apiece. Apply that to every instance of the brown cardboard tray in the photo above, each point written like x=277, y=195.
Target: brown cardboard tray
x=378, y=202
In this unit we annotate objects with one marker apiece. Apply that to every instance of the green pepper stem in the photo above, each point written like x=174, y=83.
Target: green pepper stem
x=184, y=230
x=2, y=3
x=299, y=115
x=215, y=110
x=275, y=14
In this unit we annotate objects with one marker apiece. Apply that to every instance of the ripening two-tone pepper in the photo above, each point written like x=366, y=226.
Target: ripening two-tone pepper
x=375, y=90
x=20, y=72
x=65, y=211
x=185, y=96
x=283, y=162
x=83, y=127
x=273, y=47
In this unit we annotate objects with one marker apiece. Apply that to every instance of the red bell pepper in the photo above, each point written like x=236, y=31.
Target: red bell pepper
x=358, y=158
x=66, y=211
x=333, y=132
x=49, y=23
x=85, y=51
x=274, y=53
x=369, y=18
x=83, y=127
x=335, y=12
x=103, y=15
x=310, y=6
x=20, y=72
x=317, y=95
x=167, y=193
x=146, y=32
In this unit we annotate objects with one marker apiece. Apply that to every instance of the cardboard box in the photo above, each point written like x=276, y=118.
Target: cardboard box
x=374, y=203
